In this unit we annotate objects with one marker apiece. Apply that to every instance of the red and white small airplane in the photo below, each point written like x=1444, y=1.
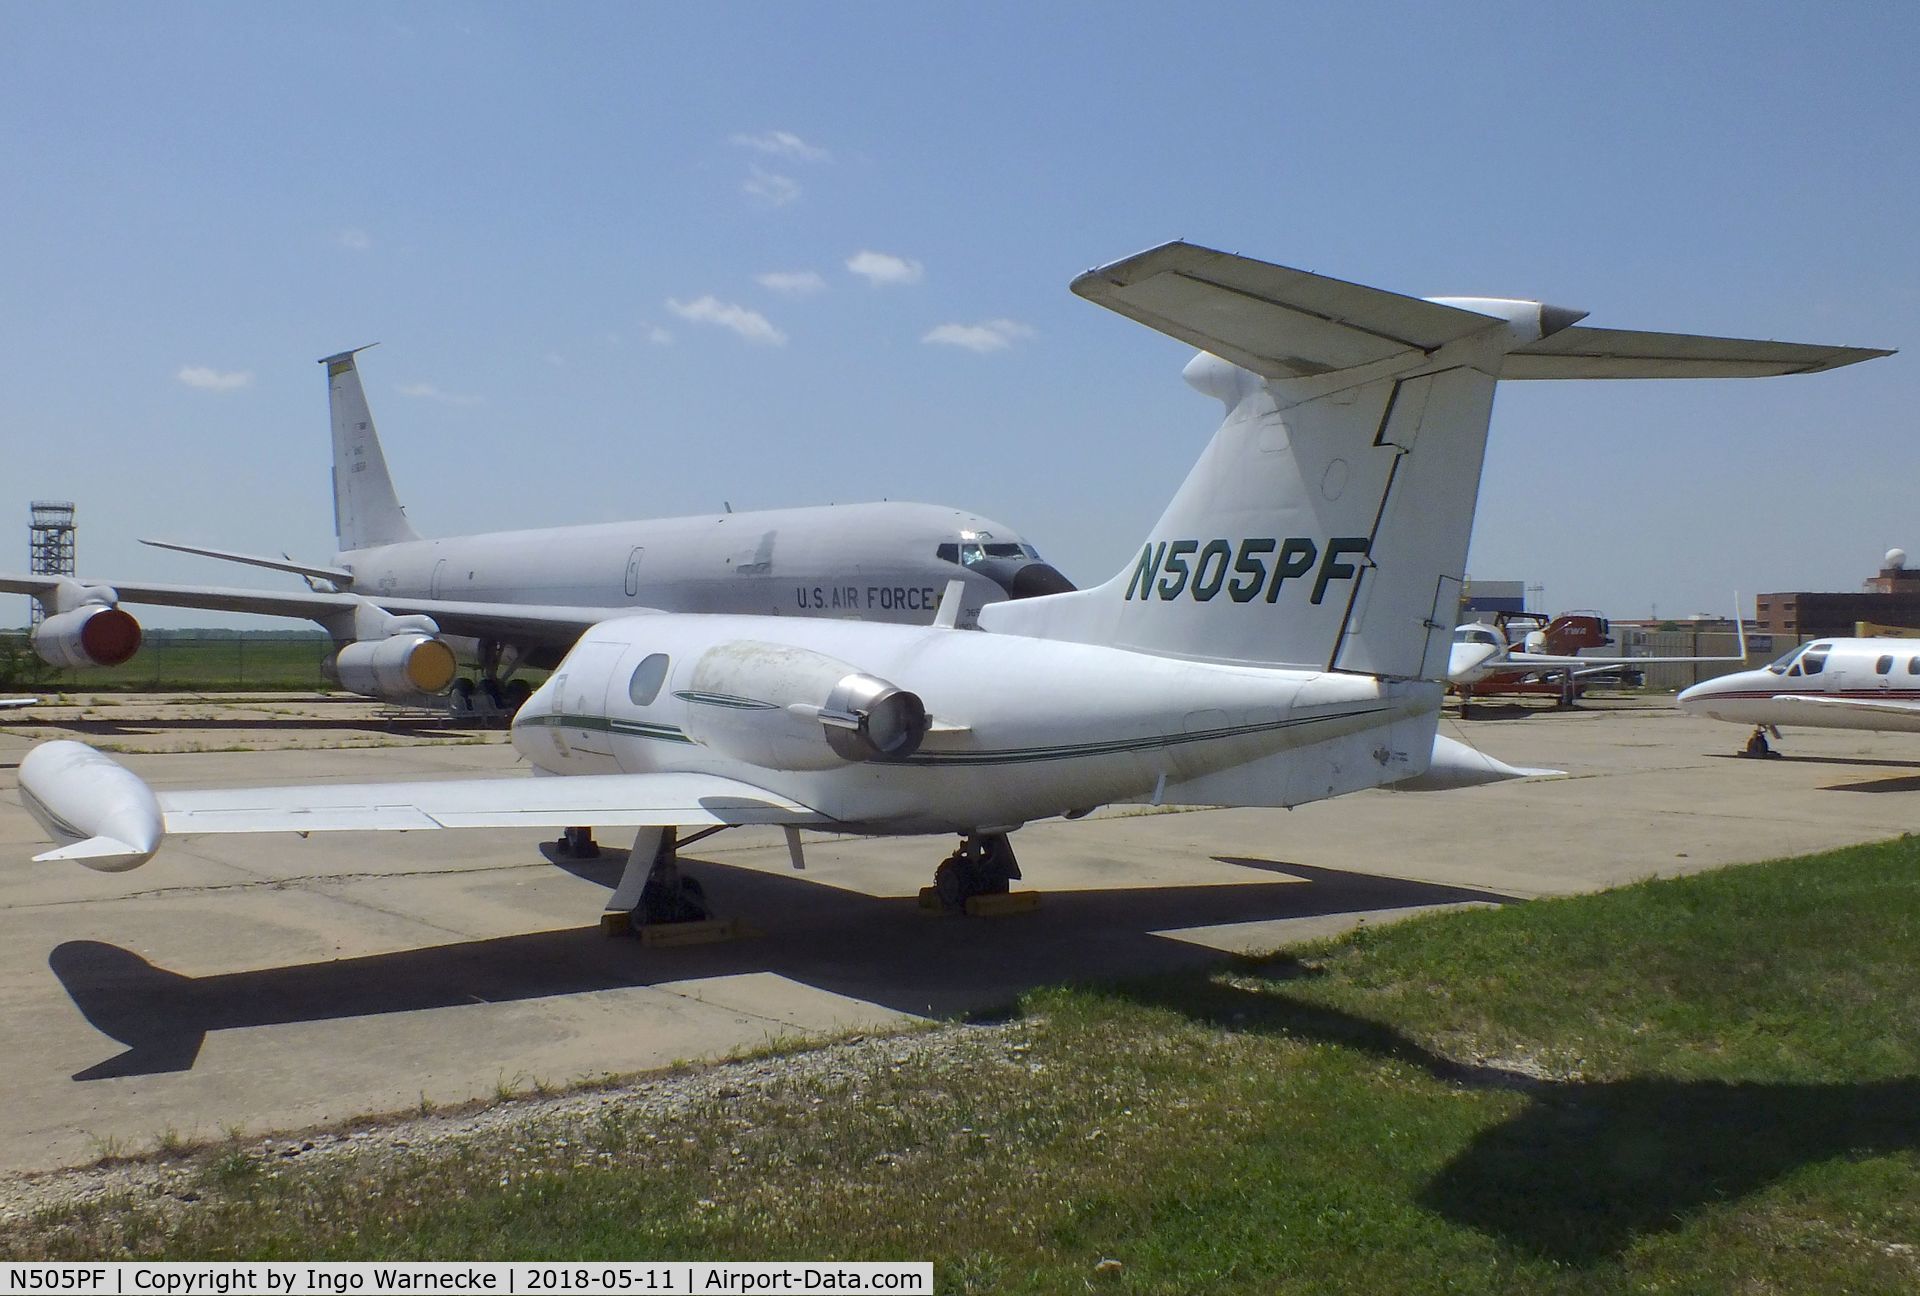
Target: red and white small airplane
x=1481, y=653
x=1826, y=684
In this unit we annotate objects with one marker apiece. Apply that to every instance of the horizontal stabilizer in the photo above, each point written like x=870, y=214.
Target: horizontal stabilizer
x=338, y=575
x=1277, y=322
x=1581, y=352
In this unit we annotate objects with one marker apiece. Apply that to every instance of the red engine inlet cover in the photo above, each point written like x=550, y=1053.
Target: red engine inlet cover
x=110, y=637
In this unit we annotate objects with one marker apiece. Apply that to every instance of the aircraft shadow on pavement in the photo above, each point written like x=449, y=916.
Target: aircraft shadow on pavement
x=1588, y=1167
x=1906, y=783
x=880, y=950
x=1788, y=758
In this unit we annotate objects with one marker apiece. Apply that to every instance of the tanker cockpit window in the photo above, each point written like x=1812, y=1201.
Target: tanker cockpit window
x=971, y=553
x=648, y=676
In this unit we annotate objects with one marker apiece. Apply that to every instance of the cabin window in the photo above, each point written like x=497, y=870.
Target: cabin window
x=648, y=676
x=1884, y=665
x=1913, y=665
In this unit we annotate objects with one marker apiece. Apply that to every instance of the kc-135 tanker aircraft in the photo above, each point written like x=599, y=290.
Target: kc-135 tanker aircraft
x=398, y=606
x=1280, y=636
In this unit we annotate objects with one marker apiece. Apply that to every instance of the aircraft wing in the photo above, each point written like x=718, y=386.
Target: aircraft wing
x=8, y=703
x=555, y=623
x=108, y=819
x=1813, y=704
x=1581, y=352
x=1552, y=661
x=604, y=800
x=1277, y=322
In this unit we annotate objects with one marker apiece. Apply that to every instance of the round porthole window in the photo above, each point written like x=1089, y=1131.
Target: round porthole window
x=648, y=676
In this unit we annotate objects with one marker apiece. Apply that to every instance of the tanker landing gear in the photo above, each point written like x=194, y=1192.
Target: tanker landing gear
x=983, y=865
x=498, y=691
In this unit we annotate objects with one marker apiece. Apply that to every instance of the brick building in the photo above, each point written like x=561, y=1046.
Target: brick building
x=1891, y=598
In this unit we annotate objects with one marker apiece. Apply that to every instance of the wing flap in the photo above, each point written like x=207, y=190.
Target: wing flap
x=1581, y=352
x=1277, y=322
x=604, y=800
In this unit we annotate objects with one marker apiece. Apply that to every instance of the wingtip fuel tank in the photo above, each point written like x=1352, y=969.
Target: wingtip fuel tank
x=98, y=809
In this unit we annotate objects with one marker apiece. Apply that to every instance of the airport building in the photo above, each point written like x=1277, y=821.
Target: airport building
x=1890, y=598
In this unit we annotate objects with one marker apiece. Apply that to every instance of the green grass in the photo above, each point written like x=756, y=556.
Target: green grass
x=1699, y=1085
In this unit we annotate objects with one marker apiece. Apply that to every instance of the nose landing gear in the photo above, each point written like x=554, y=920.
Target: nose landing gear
x=1757, y=744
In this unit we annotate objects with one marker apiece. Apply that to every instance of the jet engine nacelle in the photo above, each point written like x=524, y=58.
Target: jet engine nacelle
x=782, y=707
x=403, y=668
x=94, y=634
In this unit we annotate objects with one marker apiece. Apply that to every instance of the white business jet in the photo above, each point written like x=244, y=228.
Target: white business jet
x=399, y=606
x=1280, y=637
x=1827, y=684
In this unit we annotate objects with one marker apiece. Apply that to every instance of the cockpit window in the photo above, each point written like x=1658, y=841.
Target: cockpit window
x=1780, y=667
x=1476, y=635
x=648, y=676
x=971, y=553
x=1813, y=663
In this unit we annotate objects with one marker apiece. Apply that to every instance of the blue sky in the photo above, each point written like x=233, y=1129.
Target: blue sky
x=614, y=256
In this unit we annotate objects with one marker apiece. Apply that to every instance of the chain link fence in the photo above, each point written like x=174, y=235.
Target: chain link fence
x=179, y=663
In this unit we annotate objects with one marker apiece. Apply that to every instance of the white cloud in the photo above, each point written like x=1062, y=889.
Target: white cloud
x=782, y=144
x=749, y=324
x=353, y=240
x=427, y=391
x=657, y=336
x=214, y=380
x=794, y=283
x=992, y=335
x=884, y=268
x=773, y=190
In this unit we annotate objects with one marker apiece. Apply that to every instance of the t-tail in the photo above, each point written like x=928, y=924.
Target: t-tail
x=1325, y=526
x=366, y=512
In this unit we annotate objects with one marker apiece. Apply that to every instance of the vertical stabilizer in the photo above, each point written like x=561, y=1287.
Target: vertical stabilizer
x=366, y=512
x=1325, y=526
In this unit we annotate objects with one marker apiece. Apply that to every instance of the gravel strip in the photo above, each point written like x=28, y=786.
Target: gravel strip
x=171, y=1182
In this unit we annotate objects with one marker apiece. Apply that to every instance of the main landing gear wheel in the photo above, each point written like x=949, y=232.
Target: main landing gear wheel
x=652, y=891
x=984, y=864
x=578, y=843
x=671, y=897
x=460, y=700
